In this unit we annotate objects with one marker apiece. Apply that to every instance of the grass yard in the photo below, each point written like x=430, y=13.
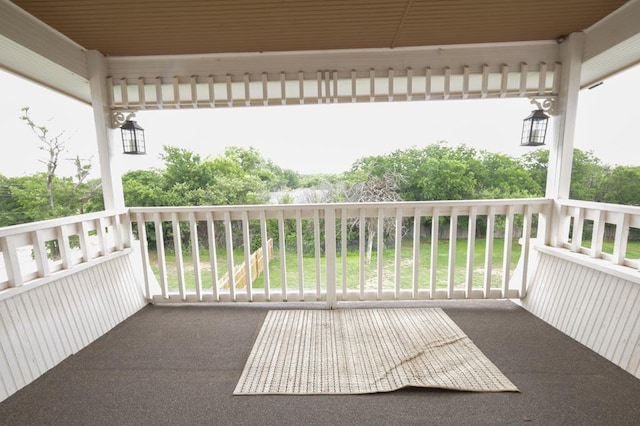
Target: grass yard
x=310, y=270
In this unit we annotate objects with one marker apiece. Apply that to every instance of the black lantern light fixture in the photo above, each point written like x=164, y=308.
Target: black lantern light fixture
x=132, y=138
x=534, y=127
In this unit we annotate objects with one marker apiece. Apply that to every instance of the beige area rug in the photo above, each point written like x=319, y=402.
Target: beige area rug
x=356, y=351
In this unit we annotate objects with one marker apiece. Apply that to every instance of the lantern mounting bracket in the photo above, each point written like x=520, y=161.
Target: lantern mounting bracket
x=118, y=118
x=546, y=104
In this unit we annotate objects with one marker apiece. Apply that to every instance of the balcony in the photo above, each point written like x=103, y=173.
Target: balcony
x=180, y=364
x=139, y=315
x=87, y=302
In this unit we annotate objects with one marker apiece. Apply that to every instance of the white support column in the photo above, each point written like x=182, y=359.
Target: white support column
x=107, y=147
x=561, y=153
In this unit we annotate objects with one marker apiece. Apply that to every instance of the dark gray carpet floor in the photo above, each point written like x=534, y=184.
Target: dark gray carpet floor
x=178, y=365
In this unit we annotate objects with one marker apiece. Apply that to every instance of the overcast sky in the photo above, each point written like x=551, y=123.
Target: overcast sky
x=317, y=138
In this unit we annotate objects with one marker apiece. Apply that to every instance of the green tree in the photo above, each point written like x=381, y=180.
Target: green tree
x=10, y=211
x=622, y=186
x=46, y=195
x=52, y=145
x=536, y=163
x=588, y=173
x=143, y=188
x=502, y=176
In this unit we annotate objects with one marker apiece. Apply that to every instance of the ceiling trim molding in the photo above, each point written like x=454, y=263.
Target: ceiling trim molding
x=501, y=70
x=343, y=61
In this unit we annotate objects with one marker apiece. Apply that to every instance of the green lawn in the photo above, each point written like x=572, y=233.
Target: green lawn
x=371, y=270
x=353, y=267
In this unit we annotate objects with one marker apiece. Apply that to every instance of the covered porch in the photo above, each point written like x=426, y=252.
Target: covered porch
x=561, y=315
x=160, y=367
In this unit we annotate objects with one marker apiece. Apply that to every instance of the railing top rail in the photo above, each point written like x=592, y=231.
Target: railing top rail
x=402, y=204
x=52, y=223
x=620, y=208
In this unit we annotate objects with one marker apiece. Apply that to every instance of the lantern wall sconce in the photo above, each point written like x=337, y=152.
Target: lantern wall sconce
x=132, y=138
x=132, y=134
x=534, y=126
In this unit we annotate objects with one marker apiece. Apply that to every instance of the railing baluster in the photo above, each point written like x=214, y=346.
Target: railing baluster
x=11, y=261
x=488, y=253
x=300, y=252
x=83, y=237
x=471, y=243
x=506, y=258
x=380, y=249
x=144, y=252
x=416, y=254
x=578, y=224
x=363, y=255
x=246, y=242
x=64, y=247
x=453, y=236
x=433, y=279
x=526, y=246
x=121, y=232
x=230, y=261
x=177, y=245
x=102, y=237
x=620, y=242
x=597, y=236
x=265, y=255
x=330, y=255
x=343, y=250
x=283, y=254
x=317, y=252
x=39, y=254
x=162, y=266
x=398, y=253
x=213, y=255
x=195, y=253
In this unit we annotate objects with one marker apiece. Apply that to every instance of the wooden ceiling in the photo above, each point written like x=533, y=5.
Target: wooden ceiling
x=172, y=27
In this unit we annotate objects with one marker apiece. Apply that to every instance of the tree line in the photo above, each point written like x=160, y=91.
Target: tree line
x=433, y=172
x=244, y=176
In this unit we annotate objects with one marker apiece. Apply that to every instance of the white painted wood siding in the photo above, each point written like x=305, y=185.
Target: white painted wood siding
x=598, y=309
x=41, y=327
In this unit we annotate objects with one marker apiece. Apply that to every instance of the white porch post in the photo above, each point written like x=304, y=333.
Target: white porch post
x=111, y=178
x=561, y=153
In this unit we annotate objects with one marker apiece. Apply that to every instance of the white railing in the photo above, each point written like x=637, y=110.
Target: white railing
x=610, y=232
x=418, y=250
x=37, y=251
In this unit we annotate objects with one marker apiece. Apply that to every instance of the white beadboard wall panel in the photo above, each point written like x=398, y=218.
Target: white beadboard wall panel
x=41, y=327
x=599, y=310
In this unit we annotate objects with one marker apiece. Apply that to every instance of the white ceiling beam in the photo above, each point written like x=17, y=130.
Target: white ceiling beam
x=36, y=51
x=612, y=44
x=343, y=61
x=614, y=29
